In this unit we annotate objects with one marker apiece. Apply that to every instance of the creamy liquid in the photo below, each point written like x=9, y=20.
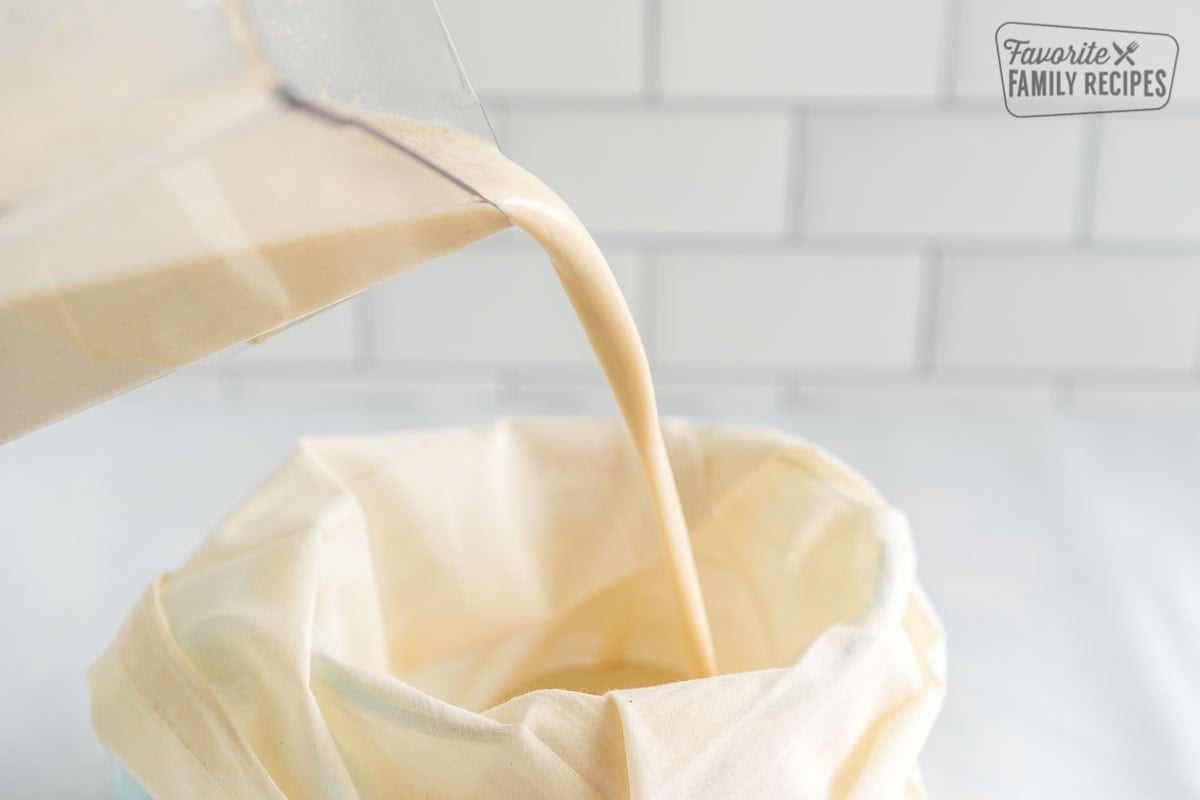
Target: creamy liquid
x=601, y=308
x=63, y=348
x=278, y=216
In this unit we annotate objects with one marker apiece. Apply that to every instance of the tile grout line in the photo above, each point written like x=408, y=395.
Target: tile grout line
x=951, y=41
x=790, y=383
x=362, y=313
x=848, y=105
x=647, y=276
x=897, y=244
x=410, y=371
x=876, y=244
x=1196, y=339
x=928, y=303
x=508, y=382
x=651, y=50
x=1088, y=180
x=796, y=169
x=1064, y=396
x=646, y=265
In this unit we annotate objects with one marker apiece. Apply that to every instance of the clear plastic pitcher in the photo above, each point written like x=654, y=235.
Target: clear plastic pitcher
x=175, y=175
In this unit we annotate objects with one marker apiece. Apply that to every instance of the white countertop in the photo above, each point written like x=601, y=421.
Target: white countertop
x=1062, y=550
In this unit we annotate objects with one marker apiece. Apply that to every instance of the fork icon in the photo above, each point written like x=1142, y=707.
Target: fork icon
x=1126, y=54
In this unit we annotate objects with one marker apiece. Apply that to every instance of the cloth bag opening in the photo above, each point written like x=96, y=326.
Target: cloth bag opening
x=485, y=613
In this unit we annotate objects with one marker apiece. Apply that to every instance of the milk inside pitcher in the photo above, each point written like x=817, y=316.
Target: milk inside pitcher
x=181, y=176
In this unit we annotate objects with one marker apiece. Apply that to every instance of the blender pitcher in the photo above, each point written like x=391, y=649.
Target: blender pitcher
x=180, y=176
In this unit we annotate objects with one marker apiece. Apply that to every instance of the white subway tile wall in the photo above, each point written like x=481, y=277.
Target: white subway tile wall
x=1149, y=187
x=786, y=310
x=537, y=46
x=808, y=204
x=976, y=74
x=655, y=172
x=801, y=47
x=933, y=175
x=1060, y=312
x=486, y=309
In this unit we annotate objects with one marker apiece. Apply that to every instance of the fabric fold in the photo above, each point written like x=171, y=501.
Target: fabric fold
x=483, y=613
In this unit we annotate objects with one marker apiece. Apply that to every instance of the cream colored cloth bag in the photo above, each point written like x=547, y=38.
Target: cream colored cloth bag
x=367, y=625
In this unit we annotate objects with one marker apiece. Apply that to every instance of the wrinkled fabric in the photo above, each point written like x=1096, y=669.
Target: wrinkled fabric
x=370, y=621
